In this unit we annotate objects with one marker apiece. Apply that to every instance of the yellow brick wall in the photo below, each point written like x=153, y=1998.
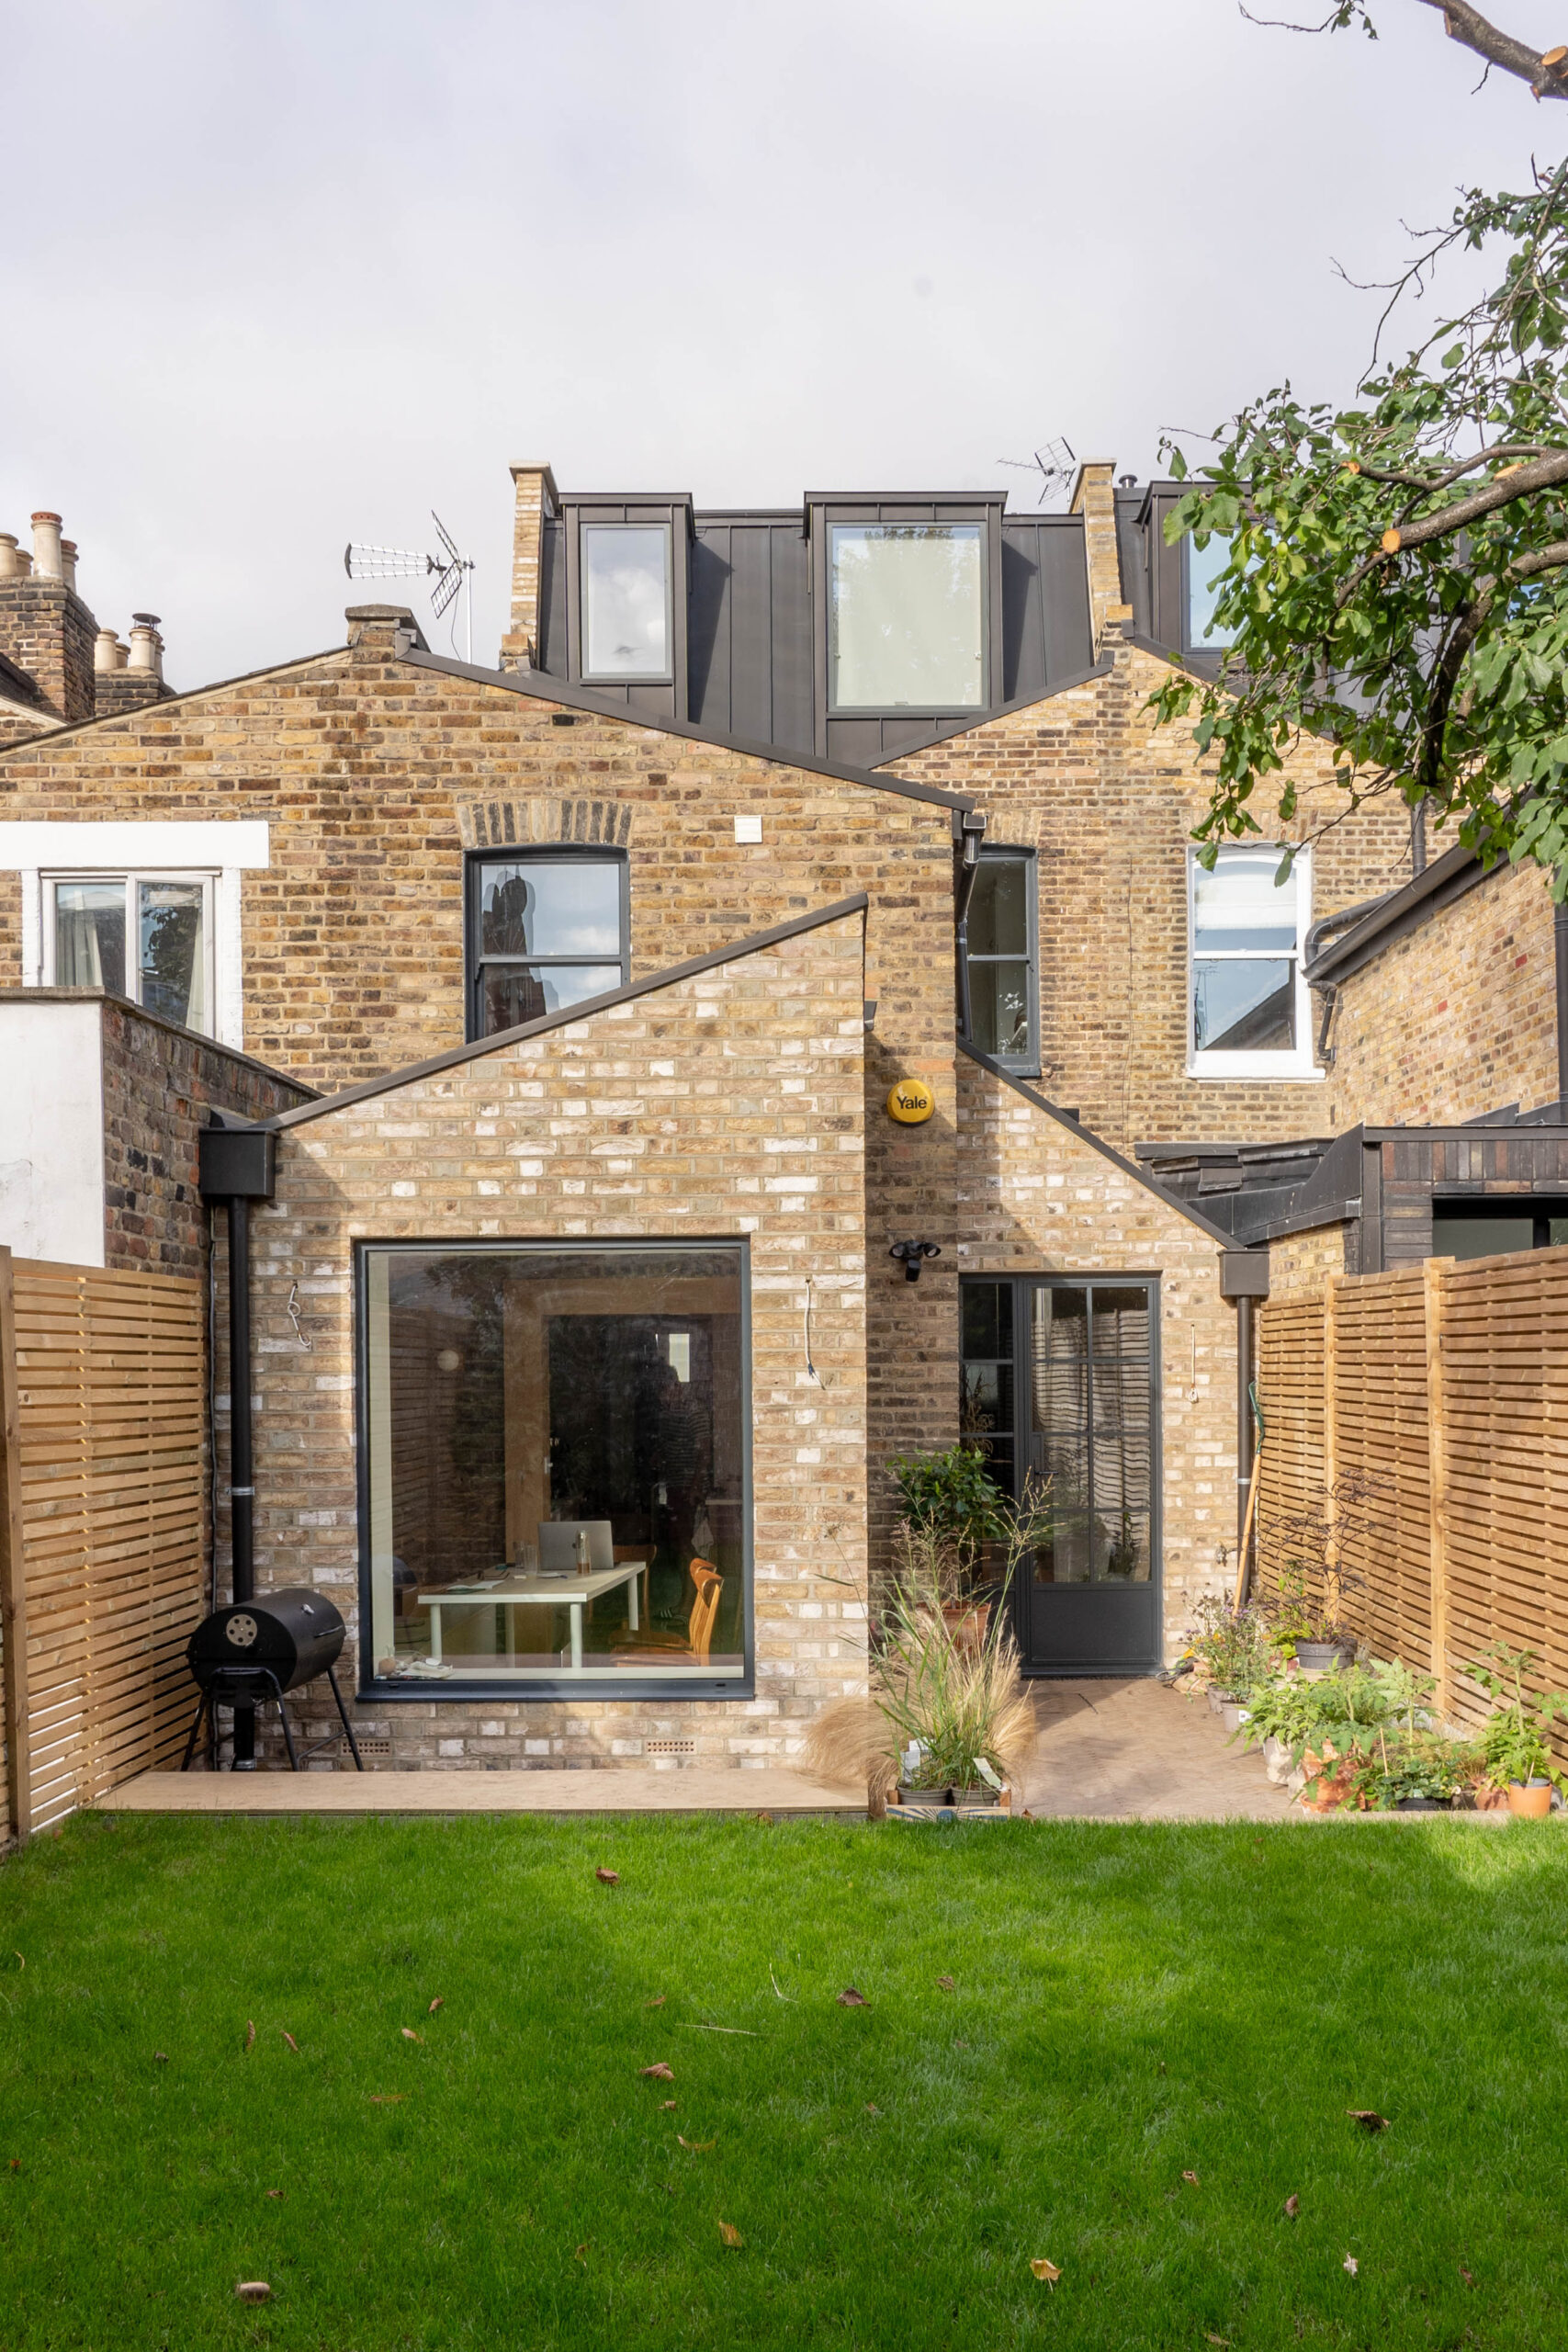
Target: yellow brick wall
x=729, y=1103
x=1457, y=1018
x=1303, y=1261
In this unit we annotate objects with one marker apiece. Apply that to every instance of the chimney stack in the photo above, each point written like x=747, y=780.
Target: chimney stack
x=537, y=502
x=48, y=561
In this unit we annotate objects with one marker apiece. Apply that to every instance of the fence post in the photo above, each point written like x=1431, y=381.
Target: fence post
x=1331, y=1592
x=13, y=1583
x=1433, y=1271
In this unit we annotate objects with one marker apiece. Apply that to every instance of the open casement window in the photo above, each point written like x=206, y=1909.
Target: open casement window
x=627, y=623
x=906, y=617
x=547, y=929
x=1003, y=995
x=146, y=937
x=1249, y=1008
x=555, y=1441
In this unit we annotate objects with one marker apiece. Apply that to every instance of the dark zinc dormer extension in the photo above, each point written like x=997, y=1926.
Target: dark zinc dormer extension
x=853, y=629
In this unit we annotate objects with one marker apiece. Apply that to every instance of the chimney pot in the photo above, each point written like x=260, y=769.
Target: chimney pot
x=146, y=645
x=10, y=556
x=68, y=563
x=108, y=651
x=48, y=561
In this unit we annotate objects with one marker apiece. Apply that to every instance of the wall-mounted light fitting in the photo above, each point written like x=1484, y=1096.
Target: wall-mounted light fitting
x=911, y=1253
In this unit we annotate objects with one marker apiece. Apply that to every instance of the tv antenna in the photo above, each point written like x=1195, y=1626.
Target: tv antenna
x=451, y=571
x=1054, y=464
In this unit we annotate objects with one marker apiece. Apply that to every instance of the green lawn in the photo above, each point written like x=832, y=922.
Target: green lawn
x=1130, y=2006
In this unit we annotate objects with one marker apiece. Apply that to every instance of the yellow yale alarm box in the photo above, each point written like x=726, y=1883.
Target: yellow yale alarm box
x=911, y=1102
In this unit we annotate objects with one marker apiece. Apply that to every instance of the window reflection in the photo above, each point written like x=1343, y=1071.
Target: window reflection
x=556, y=1446
x=906, y=617
x=552, y=911
x=625, y=600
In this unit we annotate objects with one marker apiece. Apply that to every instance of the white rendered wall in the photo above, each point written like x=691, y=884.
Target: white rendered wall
x=51, y=1131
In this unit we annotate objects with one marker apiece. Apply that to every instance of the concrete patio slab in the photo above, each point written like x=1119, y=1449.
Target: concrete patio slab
x=612, y=1790
x=1139, y=1751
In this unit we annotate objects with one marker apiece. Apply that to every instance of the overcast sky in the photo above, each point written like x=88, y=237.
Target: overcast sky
x=276, y=277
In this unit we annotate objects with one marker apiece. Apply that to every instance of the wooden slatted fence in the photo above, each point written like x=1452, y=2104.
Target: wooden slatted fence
x=103, y=1539
x=1417, y=1451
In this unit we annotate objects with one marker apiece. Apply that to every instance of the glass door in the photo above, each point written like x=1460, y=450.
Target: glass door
x=1083, y=1418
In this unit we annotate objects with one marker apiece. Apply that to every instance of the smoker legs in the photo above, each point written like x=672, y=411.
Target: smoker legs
x=347, y=1726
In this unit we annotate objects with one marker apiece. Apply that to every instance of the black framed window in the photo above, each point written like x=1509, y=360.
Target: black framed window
x=906, y=617
x=555, y=1466
x=1496, y=1224
x=1001, y=950
x=627, y=619
x=547, y=929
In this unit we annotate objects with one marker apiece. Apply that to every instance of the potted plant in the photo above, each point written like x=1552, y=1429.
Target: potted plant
x=1513, y=1744
x=1310, y=1636
x=1230, y=1653
x=950, y=1508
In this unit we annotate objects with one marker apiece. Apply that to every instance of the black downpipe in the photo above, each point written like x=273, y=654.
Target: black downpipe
x=1560, y=955
x=241, y=1461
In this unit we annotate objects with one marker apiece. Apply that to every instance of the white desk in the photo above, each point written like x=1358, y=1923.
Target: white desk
x=573, y=1590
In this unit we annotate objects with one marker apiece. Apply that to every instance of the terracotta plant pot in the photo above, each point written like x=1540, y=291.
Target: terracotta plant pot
x=1529, y=1800
x=967, y=1625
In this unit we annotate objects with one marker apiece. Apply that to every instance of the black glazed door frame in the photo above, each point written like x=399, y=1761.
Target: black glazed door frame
x=1079, y=1628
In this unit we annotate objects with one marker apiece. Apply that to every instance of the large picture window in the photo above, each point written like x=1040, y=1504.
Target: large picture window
x=1250, y=1012
x=557, y=1464
x=999, y=929
x=146, y=937
x=627, y=602
x=546, y=930
x=906, y=618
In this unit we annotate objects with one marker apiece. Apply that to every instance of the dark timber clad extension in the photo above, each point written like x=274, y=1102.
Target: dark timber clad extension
x=751, y=624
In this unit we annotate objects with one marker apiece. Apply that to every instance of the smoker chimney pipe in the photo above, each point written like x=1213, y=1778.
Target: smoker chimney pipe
x=237, y=1167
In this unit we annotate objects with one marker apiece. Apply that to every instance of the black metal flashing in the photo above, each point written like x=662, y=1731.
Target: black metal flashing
x=476, y=1049
x=1448, y=878
x=543, y=685
x=1085, y=1135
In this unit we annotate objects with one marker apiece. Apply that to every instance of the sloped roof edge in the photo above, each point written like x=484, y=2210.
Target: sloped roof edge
x=542, y=687
x=476, y=1049
x=1106, y=1151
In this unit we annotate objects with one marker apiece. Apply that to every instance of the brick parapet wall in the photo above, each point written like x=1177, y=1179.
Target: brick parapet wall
x=1034, y=1198
x=1456, y=1018
x=728, y=1103
x=1108, y=801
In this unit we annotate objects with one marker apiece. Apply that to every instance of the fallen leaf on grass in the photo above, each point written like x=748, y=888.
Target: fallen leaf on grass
x=766, y=1819
x=1468, y=2276
x=1351, y=2264
x=253, y=2291
x=437, y=2004
x=16, y=2163
x=292, y=2043
x=1368, y=2118
x=730, y=2235
x=1046, y=2270
x=852, y=1999
x=1193, y=2178
x=580, y=2255
x=871, y=2111
x=607, y=1878
x=388, y=2098
x=162, y=2057
x=250, y=2032
x=409, y=2034
x=22, y=1964
x=666, y=2107
x=657, y=2002
x=661, y=2074
x=1293, y=2206
x=697, y=2147
x=1214, y=2339
x=945, y=1983
x=274, y=2192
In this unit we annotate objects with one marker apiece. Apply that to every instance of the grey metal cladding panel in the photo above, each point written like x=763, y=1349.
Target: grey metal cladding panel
x=789, y=559
x=708, y=652
x=553, y=655
x=1023, y=618
x=1064, y=575
x=752, y=632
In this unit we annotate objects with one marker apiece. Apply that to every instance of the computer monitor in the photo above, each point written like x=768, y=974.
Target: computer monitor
x=558, y=1544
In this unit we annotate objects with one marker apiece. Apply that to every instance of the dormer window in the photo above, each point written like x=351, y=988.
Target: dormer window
x=906, y=617
x=627, y=604
x=1205, y=568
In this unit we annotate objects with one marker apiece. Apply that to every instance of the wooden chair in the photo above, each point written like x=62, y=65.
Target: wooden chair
x=697, y=1639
